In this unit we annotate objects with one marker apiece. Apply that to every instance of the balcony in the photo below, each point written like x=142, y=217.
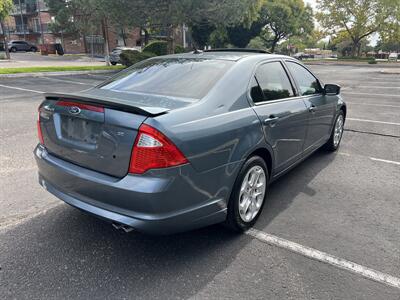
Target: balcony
x=28, y=8
x=27, y=29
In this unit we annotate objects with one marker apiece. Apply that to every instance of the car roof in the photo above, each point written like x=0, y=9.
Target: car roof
x=225, y=55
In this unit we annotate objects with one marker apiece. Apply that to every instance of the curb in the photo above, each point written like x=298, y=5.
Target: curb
x=393, y=72
x=349, y=64
x=40, y=74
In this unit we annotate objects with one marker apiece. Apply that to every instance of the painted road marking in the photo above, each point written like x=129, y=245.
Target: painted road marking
x=69, y=81
x=373, y=121
x=21, y=89
x=377, y=87
x=372, y=158
x=325, y=258
x=385, y=161
x=383, y=105
x=370, y=94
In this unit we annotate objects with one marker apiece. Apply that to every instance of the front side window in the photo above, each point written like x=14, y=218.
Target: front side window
x=179, y=77
x=271, y=83
x=308, y=84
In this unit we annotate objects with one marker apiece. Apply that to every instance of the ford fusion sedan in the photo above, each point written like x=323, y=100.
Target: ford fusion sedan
x=184, y=141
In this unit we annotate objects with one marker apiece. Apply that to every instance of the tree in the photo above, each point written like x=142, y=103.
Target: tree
x=5, y=9
x=283, y=19
x=359, y=18
x=201, y=32
x=389, y=32
x=241, y=34
x=166, y=15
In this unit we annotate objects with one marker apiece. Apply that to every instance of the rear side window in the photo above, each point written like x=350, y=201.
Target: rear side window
x=308, y=84
x=179, y=77
x=271, y=83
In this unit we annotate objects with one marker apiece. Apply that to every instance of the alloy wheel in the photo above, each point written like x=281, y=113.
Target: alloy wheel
x=252, y=193
x=338, y=131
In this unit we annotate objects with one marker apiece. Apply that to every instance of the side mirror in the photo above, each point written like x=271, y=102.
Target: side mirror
x=331, y=89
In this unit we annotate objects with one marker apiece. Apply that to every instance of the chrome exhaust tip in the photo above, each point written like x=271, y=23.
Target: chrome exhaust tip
x=125, y=228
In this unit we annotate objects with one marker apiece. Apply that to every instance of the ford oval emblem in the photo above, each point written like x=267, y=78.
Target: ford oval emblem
x=74, y=110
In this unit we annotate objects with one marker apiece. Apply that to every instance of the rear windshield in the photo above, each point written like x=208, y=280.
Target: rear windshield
x=179, y=77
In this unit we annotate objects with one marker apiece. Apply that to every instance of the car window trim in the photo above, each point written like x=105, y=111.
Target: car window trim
x=294, y=88
x=312, y=74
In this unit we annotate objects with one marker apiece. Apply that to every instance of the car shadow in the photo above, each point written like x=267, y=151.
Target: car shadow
x=284, y=190
x=66, y=254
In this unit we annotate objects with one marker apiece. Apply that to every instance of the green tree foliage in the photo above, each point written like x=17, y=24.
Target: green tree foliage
x=359, y=18
x=201, y=32
x=389, y=32
x=284, y=19
x=160, y=48
x=241, y=34
x=5, y=9
x=83, y=15
x=131, y=57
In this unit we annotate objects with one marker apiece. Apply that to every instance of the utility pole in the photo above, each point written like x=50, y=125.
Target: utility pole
x=22, y=19
x=106, y=45
x=40, y=20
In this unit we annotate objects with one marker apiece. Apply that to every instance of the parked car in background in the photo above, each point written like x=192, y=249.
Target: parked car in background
x=115, y=54
x=183, y=141
x=302, y=55
x=14, y=46
x=393, y=57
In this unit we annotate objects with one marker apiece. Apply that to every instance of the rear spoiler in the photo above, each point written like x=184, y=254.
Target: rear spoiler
x=108, y=102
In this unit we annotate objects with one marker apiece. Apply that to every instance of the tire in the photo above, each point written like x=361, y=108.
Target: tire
x=13, y=49
x=33, y=49
x=236, y=218
x=113, y=63
x=334, y=141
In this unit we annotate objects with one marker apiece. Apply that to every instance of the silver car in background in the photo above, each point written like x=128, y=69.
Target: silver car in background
x=116, y=52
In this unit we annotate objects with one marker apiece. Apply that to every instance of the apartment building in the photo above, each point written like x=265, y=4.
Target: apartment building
x=30, y=21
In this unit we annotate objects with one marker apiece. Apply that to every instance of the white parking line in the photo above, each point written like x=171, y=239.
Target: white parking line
x=68, y=81
x=385, y=161
x=372, y=121
x=325, y=258
x=383, y=105
x=372, y=158
x=21, y=89
x=369, y=94
x=377, y=87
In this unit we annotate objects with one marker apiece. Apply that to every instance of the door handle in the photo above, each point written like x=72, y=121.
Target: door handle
x=312, y=108
x=271, y=120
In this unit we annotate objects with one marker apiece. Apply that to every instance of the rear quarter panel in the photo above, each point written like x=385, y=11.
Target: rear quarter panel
x=221, y=129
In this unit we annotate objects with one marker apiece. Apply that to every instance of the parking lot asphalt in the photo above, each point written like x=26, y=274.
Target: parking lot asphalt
x=345, y=204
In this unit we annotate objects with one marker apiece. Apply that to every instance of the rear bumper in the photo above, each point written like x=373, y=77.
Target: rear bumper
x=161, y=202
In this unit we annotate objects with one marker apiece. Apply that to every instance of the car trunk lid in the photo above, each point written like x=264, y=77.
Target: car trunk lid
x=97, y=130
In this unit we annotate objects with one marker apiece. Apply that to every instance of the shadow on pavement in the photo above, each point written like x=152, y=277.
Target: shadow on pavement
x=67, y=254
x=282, y=192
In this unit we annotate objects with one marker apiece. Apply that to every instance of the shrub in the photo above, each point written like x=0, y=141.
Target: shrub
x=372, y=61
x=131, y=57
x=156, y=47
x=179, y=49
x=160, y=48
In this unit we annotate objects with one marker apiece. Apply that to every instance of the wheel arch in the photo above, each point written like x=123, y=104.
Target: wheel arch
x=265, y=154
x=344, y=109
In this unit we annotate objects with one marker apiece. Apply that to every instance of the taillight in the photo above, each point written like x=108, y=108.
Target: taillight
x=153, y=150
x=39, y=129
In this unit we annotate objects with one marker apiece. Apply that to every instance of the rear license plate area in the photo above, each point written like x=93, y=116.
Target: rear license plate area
x=80, y=130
